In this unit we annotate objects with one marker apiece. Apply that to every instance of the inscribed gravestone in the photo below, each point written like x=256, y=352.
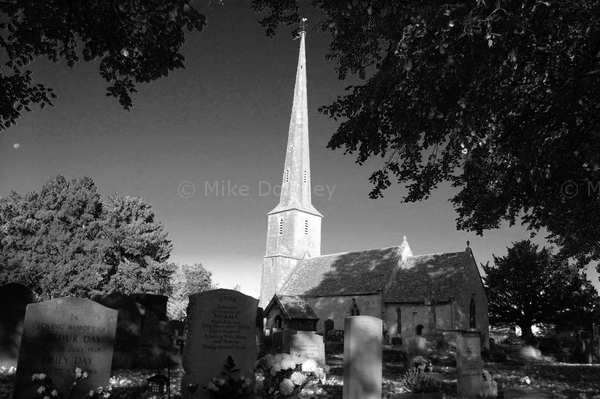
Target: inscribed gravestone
x=61, y=335
x=14, y=299
x=362, y=357
x=469, y=364
x=307, y=344
x=221, y=323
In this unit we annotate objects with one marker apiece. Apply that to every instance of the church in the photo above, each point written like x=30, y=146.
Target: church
x=304, y=290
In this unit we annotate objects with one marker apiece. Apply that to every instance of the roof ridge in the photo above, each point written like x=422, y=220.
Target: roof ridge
x=355, y=251
x=437, y=253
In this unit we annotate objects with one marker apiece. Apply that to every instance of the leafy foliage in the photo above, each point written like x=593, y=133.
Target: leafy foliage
x=417, y=381
x=64, y=240
x=499, y=98
x=529, y=286
x=230, y=384
x=185, y=281
x=133, y=42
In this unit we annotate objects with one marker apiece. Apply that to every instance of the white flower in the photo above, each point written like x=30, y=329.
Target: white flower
x=91, y=393
x=54, y=392
x=287, y=363
x=286, y=387
x=41, y=389
x=309, y=366
x=298, y=378
x=85, y=374
x=77, y=372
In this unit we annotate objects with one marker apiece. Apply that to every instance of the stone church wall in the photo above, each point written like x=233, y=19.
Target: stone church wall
x=338, y=307
x=473, y=288
x=414, y=314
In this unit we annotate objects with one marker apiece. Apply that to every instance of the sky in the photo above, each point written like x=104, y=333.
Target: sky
x=206, y=145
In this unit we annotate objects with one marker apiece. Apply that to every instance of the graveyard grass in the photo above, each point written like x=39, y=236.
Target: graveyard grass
x=563, y=380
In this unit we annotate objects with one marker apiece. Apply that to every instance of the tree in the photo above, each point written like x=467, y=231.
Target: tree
x=64, y=240
x=187, y=280
x=499, y=98
x=132, y=41
x=530, y=286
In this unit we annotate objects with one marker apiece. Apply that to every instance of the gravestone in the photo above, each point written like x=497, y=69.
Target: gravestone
x=14, y=299
x=221, y=323
x=307, y=344
x=61, y=335
x=469, y=365
x=129, y=328
x=362, y=357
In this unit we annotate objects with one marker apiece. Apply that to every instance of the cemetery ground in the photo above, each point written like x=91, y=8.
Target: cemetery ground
x=520, y=378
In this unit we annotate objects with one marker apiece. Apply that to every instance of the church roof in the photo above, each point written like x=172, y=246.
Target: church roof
x=436, y=276
x=293, y=307
x=349, y=273
x=381, y=270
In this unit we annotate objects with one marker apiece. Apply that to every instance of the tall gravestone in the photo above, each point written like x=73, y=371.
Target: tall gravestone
x=221, y=323
x=14, y=299
x=61, y=335
x=306, y=344
x=362, y=357
x=469, y=365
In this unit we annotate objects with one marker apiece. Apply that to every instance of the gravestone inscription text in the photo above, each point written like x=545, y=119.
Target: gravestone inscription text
x=61, y=335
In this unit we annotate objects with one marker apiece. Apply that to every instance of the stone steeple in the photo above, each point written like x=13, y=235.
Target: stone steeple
x=294, y=225
x=295, y=186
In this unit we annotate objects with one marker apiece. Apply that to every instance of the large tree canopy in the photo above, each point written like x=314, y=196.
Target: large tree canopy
x=529, y=286
x=498, y=97
x=185, y=281
x=64, y=240
x=134, y=41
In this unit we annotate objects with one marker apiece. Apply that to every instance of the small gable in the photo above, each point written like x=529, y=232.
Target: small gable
x=292, y=307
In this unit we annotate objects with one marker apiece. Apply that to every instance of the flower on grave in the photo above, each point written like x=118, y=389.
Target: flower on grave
x=284, y=375
x=286, y=387
x=297, y=378
x=54, y=393
x=309, y=366
x=77, y=372
x=41, y=389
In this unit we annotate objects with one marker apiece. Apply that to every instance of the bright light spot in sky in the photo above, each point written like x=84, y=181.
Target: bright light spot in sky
x=16, y=146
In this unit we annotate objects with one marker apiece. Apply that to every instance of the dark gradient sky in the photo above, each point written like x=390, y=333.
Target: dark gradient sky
x=224, y=118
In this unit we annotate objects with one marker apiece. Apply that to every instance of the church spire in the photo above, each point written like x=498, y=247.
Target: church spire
x=295, y=188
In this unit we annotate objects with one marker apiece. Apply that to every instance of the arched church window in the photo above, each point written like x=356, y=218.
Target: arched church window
x=472, y=314
x=306, y=226
x=278, y=322
x=280, y=226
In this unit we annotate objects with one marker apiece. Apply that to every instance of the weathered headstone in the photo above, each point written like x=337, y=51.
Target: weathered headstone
x=469, y=365
x=362, y=357
x=307, y=344
x=222, y=323
x=14, y=298
x=61, y=335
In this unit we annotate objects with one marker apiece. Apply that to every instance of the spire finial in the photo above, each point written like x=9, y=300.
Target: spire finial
x=302, y=28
